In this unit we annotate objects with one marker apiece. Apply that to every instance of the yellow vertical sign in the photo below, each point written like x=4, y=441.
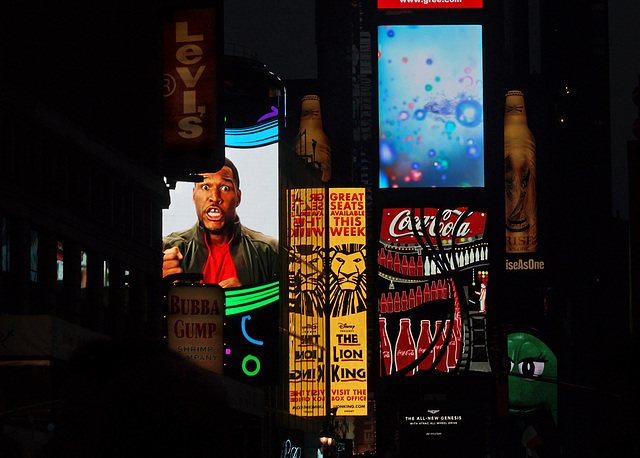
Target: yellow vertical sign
x=307, y=296
x=347, y=301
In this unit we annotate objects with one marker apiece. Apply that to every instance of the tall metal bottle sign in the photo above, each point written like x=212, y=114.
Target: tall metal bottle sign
x=520, y=178
x=313, y=142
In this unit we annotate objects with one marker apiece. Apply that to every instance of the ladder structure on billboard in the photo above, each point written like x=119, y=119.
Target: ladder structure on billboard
x=479, y=352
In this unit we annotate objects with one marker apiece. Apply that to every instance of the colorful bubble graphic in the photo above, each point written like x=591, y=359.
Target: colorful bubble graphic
x=441, y=164
x=431, y=131
x=469, y=113
x=384, y=181
x=473, y=151
x=466, y=80
x=449, y=127
x=387, y=155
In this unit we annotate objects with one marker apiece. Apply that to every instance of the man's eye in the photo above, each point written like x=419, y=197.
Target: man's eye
x=225, y=188
x=205, y=187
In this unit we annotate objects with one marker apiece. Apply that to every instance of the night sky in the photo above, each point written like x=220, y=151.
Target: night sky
x=56, y=51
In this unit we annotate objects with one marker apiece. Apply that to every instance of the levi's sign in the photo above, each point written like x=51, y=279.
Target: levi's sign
x=190, y=85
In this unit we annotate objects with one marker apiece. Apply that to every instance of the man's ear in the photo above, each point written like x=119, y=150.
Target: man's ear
x=194, y=193
x=239, y=197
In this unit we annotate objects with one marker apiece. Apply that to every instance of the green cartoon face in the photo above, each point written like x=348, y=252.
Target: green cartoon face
x=532, y=360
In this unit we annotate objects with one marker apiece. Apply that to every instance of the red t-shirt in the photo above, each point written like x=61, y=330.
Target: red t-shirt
x=219, y=264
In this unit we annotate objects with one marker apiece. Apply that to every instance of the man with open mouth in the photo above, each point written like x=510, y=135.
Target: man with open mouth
x=218, y=246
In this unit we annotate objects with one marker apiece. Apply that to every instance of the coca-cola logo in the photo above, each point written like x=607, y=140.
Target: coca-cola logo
x=409, y=352
x=403, y=225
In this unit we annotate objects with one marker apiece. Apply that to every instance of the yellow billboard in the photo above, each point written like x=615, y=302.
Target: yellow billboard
x=347, y=301
x=307, y=296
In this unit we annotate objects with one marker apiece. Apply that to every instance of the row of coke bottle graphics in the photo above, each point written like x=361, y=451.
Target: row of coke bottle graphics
x=403, y=301
x=441, y=355
x=417, y=266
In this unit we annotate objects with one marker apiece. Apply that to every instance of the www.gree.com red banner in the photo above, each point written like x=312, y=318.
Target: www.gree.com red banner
x=347, y=301
x=384, y=4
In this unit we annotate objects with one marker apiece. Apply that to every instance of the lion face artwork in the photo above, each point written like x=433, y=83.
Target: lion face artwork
x=306, y=280
x=347, y=279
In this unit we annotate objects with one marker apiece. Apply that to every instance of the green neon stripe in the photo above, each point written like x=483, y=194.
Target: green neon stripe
x=249, y=307
x=242, y=300
x=247, y=299
x=244, y=291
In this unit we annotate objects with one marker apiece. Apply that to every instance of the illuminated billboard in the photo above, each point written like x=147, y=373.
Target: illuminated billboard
x=192, y=125
x=195, y=324
x=327, y=301
x=307, y=296
x=347, y=300
x=251, y=279
x=417, y=4
x=433, y=277
x=430, y=102
x=533, y=390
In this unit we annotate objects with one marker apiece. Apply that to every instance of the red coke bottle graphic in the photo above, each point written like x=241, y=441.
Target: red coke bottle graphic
x=452, y=351
x=457, y=337
x=405, y=346
x=441, y=329
x=424, y=341
x=385, y=349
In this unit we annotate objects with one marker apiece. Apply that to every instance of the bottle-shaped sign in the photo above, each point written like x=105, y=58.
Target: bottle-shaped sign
x=440, y=350
x=312, y=141
x=424, y=341
x=386, y=359
x=519, y=177
x=452, y=350
x=405, y=346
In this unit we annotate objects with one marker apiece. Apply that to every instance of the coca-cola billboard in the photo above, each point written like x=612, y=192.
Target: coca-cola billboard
x=433, y=277
x=408, y=226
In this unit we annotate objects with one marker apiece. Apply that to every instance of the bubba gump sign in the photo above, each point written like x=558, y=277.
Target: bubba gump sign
x=195, y=321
